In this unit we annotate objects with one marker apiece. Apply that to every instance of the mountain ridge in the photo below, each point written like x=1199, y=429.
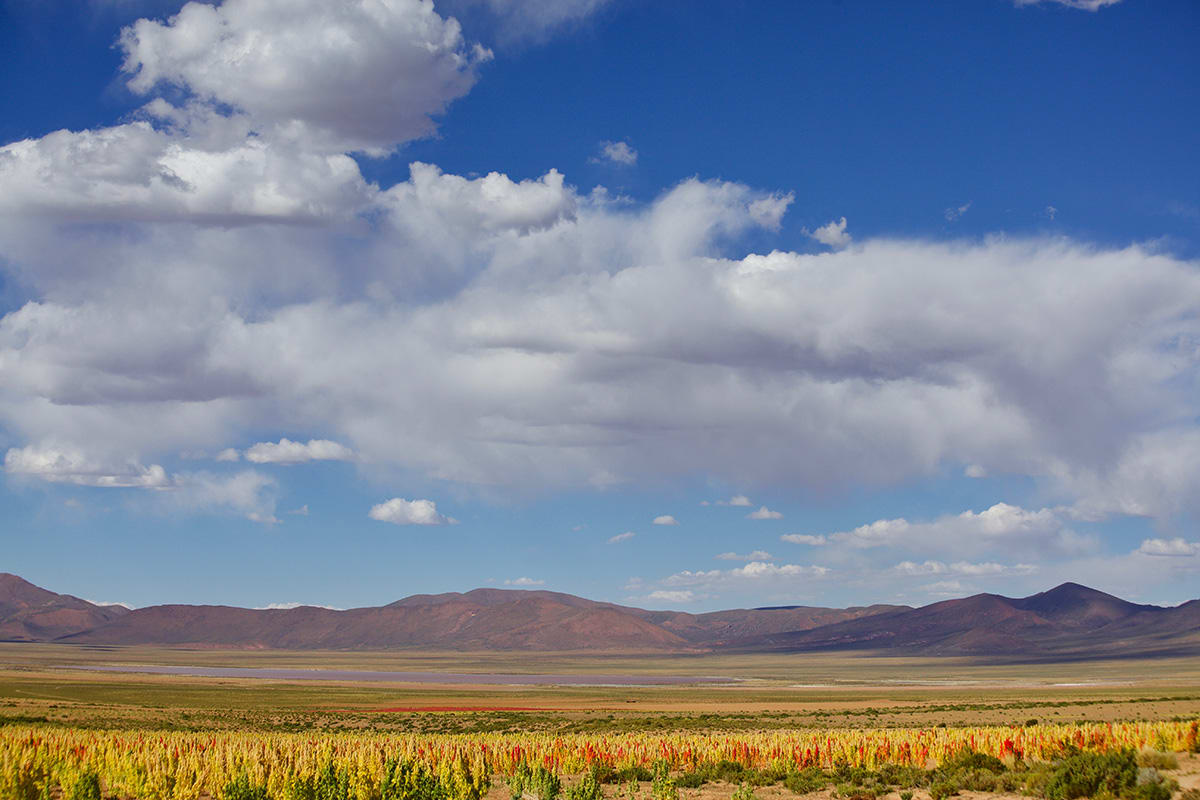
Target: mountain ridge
x=1067, y=621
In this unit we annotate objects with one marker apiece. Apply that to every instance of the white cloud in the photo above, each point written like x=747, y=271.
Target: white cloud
x=665, y=519
x=673, y=596
x=985, y=569
x=521, y=21
x=833, y=234
x=289, y=606
x=617, y=153
x=753, y=573
x=346, y=76
x=736, y=500
x=105, y=603
x=764, y=513
x=302, y=511
x=999, y=528
x=287, y=452
x=524, y=582
x=399, y=511
x=804, y=538
x=755, y=555
x=622, y=537
x=249, y=494
x=1082, y=5
x=228, y=454
x=953, y=213
x=173, y=165
x=1169, y=547
x=66, y=465
x=952, y=588
x=517, y=333
x=975, y=471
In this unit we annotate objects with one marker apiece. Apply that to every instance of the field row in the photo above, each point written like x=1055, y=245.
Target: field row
x=36, y=759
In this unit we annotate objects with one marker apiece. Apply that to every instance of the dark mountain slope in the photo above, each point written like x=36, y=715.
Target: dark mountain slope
x=1069, y=621
x=29, y=613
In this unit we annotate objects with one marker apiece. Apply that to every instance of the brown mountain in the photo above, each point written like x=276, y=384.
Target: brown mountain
x=1069, y=621
x=29, y=613
x=483, y=619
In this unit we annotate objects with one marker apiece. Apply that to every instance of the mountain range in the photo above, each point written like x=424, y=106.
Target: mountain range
x=1068, y=622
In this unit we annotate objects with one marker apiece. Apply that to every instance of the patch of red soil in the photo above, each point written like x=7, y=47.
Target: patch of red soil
x=410, y=709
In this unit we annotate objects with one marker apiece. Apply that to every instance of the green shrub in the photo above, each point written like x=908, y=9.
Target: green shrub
x=1089, y=774
x=635, y=773
x=603, y=772
x=1148, y=757
x=743, y=792
x=806, y=781
x=970, y=760
x=690, y=780
x=941, y=789
x=906, y=777
x=906, y=795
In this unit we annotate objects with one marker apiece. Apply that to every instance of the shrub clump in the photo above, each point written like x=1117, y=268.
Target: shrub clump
x=1103, y=776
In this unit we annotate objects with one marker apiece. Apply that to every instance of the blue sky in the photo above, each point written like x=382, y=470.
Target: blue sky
x=339, y=302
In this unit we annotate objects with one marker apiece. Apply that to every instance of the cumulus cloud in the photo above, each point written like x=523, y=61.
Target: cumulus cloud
x=986, y=569
x=524, y=582
x=873, y=364
x=248, y=493
x=1001, y=527
x=665, y=519
x=755, y=573
x=833, y=234
x=673, y=596
x=173, y=165
x=951, y=588
x=399, y=511
x=622, y=537
x=344, y=76
x=1176, y=547
x=494, y=332
x=755, y=555
x=289, y=606
x=228, y=454
x=804, y=538
x=617, y=153
x=287, y=452
x=736, y=500
x=65, y=465
x=764, y=513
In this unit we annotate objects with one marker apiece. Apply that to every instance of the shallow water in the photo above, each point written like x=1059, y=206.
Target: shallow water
x=410, y=677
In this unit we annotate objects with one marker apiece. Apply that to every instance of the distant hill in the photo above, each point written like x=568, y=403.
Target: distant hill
x=29, y=613
x=1069, y=621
